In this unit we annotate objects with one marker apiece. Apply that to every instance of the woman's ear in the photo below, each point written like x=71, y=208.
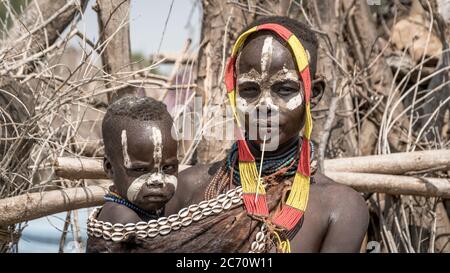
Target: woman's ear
x=318, y=88
x=107, y=167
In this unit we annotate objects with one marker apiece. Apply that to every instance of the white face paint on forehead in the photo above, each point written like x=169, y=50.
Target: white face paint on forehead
x=266, y=56
x=291, y=75
x=126, y=156
x=157, y=147
x=285, y=69
x=243, y=78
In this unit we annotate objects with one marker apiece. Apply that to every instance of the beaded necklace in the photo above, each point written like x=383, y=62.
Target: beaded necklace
x=283, y=165
x=271, y=165
x=116, y=198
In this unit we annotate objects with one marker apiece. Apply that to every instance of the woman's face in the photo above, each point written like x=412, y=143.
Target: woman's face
x=270, y=93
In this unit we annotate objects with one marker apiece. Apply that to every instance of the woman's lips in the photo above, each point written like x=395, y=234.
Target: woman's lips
x=266, y=123
x=263, y=124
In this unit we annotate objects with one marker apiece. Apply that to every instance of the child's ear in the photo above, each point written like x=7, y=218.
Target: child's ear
x=107, y=167
x=318, y=88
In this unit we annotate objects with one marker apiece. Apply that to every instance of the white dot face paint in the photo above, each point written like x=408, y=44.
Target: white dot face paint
x=290, y=75
x=285, y=69
x=126, y=156
x=295, y=102
x=266, y=56
x=242, y=104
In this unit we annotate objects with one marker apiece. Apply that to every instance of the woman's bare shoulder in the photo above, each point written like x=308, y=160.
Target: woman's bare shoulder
x=192, y=183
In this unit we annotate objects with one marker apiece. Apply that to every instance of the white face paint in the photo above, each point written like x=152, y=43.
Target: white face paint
x=157, y=144
x=291, y=75
x=150, y=179
x=267, y=101
x=266, y=56
x=126, y=157
x=135, y=188
x=244, y=79
x=295, y=102
x=171, y=179
x=241, y=104
x=285, y=69
x=156, y=178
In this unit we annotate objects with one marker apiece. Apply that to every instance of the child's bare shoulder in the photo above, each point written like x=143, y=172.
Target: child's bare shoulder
x=116, y=213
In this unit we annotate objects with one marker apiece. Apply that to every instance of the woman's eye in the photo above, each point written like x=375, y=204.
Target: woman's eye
x=248, y=91
x=285, y=90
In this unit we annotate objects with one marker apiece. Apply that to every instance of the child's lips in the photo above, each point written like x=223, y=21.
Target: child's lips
x=155, y=198
x=154, y=194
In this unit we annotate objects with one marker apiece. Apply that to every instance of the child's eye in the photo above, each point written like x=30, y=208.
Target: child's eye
x=169, y=169
x=140, y=170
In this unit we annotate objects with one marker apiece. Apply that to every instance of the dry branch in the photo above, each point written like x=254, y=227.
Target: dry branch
x=79, y=168
x=35, y=205
x=172, y=58
x=84, y=168
x=31, y=206
x=113, y=18
x=42, y=20
x=396, y=163
x=393, y=184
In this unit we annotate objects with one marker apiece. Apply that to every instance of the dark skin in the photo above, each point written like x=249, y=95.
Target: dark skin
x=336, y=218
x=140, y=149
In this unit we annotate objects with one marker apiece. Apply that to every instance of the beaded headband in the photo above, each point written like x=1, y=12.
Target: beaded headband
x=254, y=194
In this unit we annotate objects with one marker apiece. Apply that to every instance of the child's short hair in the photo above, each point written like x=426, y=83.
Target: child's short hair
x=135, y=108
x=138, y=108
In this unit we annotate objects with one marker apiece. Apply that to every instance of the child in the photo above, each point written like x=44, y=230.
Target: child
x=140, y=158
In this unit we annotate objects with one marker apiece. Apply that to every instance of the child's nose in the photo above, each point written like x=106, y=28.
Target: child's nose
x=155, y=180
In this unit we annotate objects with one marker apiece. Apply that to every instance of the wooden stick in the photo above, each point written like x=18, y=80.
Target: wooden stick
x=398, y=163
x=84, y=168
x=79, y=168
x=35, y=205
x=393, y=184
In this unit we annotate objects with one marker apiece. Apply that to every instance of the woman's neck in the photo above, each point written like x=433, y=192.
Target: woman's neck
x=255, y=148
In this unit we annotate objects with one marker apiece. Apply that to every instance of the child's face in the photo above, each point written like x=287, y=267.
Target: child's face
x=267, y=80
x=145, y=166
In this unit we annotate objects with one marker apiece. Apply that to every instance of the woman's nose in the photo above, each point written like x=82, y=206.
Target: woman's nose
x=266, y=105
